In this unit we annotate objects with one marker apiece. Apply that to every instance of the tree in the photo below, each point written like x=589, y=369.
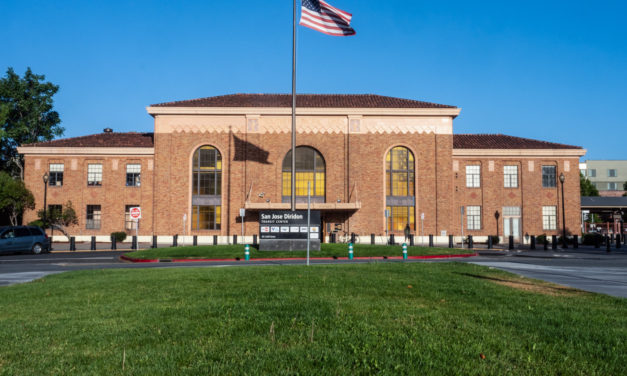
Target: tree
x=60, y=219
x=586, y=187
x=14, y=197
x=26, y=116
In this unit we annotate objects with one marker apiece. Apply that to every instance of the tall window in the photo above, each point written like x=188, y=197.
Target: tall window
x=549, y=217
x=129, y=223
x=93, y=217
x=206, y=189
x=510, y=174
x=94, y=174
x=548, y=176
x=56, y=174
x=473, y=176
x=611, y=173
x=310, y=168
x=473, y=217
x=133, y=172
x=400, y=190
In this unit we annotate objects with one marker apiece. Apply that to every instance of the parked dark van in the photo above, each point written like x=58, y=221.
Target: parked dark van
x=23, y=239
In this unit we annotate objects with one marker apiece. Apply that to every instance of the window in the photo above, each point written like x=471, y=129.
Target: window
x=133, y=172
x=400, y=191
x=400, y=217
x=473, y=217
x=592, y=173
x=612, y=187
x=206, y=189
x=473, y=176
x=548, y=176
x=94, y=174
x=310, y=168
x=93, y=217
x=611, y=173
x=511, y=211
x=55, y=177
x=510, y=174
x=129, y=223
x=549, y=217
x=206, y=217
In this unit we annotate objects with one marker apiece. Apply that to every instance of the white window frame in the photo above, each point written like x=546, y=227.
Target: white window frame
x=510, y=176
x=56, y=169
x=549, y=217
x=94, y=174
x=136, y=169
x=473, y=217
x=611, y=173
x=592, y=173
x=473, y=176
x=612, y=186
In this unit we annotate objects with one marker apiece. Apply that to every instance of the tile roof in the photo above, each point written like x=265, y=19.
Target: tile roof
x=304, y=100
x=608, y=202
x=501, y=141
x=102, y=140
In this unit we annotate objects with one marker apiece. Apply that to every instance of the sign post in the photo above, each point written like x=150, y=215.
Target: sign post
x=184, y=227
x=422, y=227
x=136, y=214
x=242, y=214
x=462, y=223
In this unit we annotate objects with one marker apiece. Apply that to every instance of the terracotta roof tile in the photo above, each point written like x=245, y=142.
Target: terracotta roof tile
x=501, y=141
x=102, y=140
x=304, y=100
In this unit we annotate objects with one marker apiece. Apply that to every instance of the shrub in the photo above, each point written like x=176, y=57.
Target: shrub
x=37, y=222
x=569, y=240
x=590, y=238
x=495, y=239
x=541, y=238
x=119, y=236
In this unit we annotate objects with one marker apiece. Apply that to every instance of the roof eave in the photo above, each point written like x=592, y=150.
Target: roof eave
x=537, y=153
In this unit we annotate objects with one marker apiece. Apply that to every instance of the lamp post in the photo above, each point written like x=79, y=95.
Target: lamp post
x=45, y=178
x=564, y=243
x=496, y=216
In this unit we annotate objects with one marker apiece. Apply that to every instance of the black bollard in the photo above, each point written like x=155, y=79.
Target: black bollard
x=575, y=241
x=470, y=242
x=511, y=242
x=617, y=241
x=489, y=242
x=430, y=240
x=372, y=241
x=72, y=243
x=553, y=241
x=411, y=240
x=114, y=245
x=93, y=243
x=234, y=239
x=175, y=241
x=154, y=241
x=608, y=244
x=215, y=239
x=533, y=242
x=134, y=243
x=255, y=239
x=332, y=237
x=597, y=241
x=353, y=237
x=546, y=243
x=392, y=241
x=195, y=240
x=451, y=244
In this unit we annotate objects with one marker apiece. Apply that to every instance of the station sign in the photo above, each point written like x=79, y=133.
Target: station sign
x=288, y=225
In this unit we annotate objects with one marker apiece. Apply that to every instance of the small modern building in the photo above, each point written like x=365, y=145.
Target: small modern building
x=608, y=176
x=363, y=156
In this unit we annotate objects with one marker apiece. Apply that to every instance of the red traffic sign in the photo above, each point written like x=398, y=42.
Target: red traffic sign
x=136, y=212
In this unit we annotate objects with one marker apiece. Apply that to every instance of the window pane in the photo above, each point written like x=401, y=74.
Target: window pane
x=94, y=174
x=310, y=168
x=548, y=176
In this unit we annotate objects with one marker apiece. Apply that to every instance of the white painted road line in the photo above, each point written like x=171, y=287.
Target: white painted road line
x=12, y=278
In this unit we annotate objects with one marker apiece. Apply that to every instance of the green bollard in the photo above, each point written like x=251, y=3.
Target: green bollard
x=404, y=251
x=247, y=252
x=350, y=251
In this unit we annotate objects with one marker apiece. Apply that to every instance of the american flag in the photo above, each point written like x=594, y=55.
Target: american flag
x=321, y=16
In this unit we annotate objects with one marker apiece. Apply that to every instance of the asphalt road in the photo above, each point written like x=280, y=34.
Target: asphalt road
x=586, y=269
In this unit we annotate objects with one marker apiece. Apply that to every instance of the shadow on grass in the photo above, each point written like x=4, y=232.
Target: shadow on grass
x=525, y=284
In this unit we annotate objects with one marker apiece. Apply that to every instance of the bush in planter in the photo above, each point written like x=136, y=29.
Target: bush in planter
x=569, y=240
x=119, y=236
x=541, y=238
x=495, y=239
x=590, y=238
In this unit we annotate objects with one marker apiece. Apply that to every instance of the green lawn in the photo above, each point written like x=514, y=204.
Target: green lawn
x=388, y=318
x=326, y=250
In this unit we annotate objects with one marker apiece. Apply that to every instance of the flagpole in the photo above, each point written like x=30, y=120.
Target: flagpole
x=293, y=174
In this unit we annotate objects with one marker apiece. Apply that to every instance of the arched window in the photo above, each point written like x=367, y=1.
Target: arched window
x=206, y=188
x=309, y=168
x=399, y=187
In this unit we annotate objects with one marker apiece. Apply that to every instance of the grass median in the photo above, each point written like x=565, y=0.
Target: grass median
x=326, y=250
x=444, y=318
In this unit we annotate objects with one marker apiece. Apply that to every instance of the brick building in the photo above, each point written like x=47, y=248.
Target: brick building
x=362, y=154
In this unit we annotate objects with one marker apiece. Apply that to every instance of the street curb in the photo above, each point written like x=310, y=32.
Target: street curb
x=426, y=257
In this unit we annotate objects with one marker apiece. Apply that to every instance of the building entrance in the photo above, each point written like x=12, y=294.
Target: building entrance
x=511, y=222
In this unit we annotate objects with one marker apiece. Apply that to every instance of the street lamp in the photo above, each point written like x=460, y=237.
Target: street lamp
x=45, y=177
x=496, y=216
x=564, y=243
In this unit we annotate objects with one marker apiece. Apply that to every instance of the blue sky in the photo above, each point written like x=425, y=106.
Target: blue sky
x=551, y=70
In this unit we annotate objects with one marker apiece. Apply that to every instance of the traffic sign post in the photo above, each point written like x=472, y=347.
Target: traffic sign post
x=136, y=214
